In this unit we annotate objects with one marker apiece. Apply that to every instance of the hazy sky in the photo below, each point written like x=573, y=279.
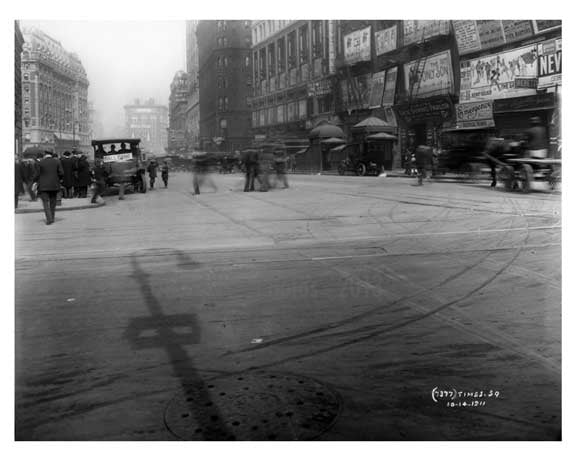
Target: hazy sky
x=124, y=60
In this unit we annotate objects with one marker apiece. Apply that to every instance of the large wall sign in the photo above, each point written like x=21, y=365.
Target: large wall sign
x=550, y=63
x=503, y=75
x=356, y=92
x=419, y=30
x=475, y=35
x=386, y=40
x=357, y=46
x=438, y=109
x=376, y=89
x=429, y=76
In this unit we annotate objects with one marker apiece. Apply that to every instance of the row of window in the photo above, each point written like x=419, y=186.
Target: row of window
x=265, y=29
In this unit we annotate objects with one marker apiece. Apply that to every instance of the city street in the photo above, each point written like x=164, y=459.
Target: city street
x=342, y=308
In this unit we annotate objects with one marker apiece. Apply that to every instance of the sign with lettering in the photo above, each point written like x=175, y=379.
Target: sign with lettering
x=474, y=115
x=516, y=30
x=491, y=33
x=386, y=40
x=357, y=46
x=429, y=76
x=544, y=25
x=550, y=63
x=494, y=76
x=420, y=30
x=434, y=109
x=376, y=89
x=117, y=157
x=467, y=36
x=390, y=87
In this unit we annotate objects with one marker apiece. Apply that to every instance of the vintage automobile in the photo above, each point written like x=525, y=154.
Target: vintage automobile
x=124, y=162
x=356, y=158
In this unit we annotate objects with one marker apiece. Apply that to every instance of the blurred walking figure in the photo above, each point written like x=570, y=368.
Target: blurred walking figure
x=423, y=156
x=152, y=172
x=280, y=162
x=201, y=166
x=29, y=170
x=100, y=174
x=18, y=179
x=164, y=171
x=250, y=160
x=48, y=177
x=536, y=139
x=68, y=180
x=83, y=176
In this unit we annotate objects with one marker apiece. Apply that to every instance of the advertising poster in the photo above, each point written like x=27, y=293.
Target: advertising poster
x=467, y=36
x=503, y=75
x=544, y=25
x=356, y=92
x=429, y=76
x=491, y=33
x=550, y=63
x=516, y=30
x=376, y=89
x=386, y=40
x=418, y=30
x=390, y=87
x=357, y=46
x=474, y=115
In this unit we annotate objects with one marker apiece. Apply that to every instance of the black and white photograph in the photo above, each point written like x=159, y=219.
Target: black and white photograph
x=287, y=230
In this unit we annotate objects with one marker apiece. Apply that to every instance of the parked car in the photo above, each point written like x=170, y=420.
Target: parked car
x=125, y=166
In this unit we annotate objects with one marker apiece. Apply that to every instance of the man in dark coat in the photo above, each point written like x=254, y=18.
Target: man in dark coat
x=250, y=160
x=49, y=174
x=18, y=179
x=68, y=179
x=152, y=171
x=83, y=176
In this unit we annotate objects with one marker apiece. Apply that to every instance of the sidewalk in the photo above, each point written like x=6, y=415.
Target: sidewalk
x=27, y=206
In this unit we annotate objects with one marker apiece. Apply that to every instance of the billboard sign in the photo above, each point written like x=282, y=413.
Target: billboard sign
x=502, y=75
x=376, y=89
x=429, y=76
x=390, y=87
x=479, y=35
x=419, y=30
x=386, y=40
x=544, y=25
x=474, y=115
x=357, y=46
x=550, y=63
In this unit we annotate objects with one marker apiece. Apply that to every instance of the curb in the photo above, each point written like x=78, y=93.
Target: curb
x=41, y=210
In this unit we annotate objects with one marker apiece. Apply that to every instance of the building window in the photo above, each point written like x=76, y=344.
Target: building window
x=224, y=83
x=292, y=50
x=281, y=55
x=219, y=41
x=26, y=77
x=271, y=60
x=218, y=62
x=247, y=61
x=223, y=123
x=220, y=103
x=225, y=41
x=303, y=44
x=27, y=88
x=225, y=61
x=226, y=103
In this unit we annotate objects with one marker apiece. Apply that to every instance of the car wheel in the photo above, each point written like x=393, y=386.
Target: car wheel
x=361, y=169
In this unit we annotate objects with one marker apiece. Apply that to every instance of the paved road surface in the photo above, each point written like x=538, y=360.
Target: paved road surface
x=379, y=289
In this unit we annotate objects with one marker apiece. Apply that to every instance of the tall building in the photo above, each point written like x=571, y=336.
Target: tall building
x=293, y=78
x=96, y=127
x=192, y=121
x=149, y=122
x=177, y=112
x=54, y=95
x=18, y=45
x=224, y=82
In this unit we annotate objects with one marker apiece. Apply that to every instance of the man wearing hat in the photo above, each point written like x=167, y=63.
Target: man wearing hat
x=48, y=177
x=68, y=179
x=536, y=139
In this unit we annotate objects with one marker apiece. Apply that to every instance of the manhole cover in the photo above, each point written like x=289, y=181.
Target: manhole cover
x=253, y=406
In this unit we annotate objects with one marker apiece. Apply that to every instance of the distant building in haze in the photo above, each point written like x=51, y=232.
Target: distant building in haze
x=18, y=45
x=192, y=121
x=149, y=122
x=177, y=111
